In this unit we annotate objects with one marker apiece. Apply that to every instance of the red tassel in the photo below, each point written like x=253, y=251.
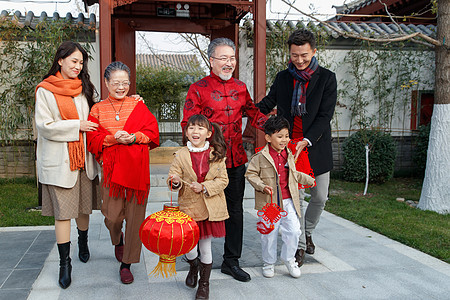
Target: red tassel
x=263, y=229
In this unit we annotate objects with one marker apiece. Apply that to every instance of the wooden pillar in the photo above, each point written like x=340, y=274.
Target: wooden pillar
x=105, y=35
x=125, y=49
x=259, y=59
x=231, y=32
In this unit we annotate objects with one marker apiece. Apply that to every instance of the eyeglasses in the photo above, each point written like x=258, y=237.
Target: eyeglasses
x=226, y=59
x=117, y=84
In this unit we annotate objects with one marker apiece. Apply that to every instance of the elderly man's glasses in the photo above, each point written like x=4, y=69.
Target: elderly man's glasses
x=225, y=59
x=117, y=84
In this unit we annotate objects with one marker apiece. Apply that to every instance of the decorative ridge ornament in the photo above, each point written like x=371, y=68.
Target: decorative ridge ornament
x=117, y=3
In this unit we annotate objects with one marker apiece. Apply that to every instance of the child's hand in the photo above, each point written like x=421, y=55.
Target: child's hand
x=175, y=179
x=268, y=190
x=196, y=187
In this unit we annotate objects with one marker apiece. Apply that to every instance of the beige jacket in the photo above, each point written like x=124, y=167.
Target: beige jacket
x=211, y=205
x=261, y=171
x=53, y=133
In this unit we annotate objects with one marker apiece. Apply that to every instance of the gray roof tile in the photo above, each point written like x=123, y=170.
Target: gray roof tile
x=186, y=62
x=30, y=20
x=360, y=28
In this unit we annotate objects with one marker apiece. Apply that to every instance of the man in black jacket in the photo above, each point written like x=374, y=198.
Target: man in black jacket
x=305, y=94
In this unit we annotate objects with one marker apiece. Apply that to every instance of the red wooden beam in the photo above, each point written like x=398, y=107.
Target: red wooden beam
x=105, y=36
x=250, y=3
x=170, y=25
x=125, y=45
x=259, y=59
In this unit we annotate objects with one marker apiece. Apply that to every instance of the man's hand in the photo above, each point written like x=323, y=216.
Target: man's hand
x=299, y=148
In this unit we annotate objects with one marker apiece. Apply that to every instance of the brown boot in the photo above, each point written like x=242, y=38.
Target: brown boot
x=300, y=257
x=310, y=247
x=192, y=276
x=203, y=283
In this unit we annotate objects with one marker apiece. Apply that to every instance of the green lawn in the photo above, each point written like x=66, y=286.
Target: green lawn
x=379, y=211
x=15, y=197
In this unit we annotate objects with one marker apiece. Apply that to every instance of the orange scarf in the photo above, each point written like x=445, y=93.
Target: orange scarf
x=64, y=90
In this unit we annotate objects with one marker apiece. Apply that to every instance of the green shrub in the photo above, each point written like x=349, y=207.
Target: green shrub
x=26, y=55
x=163, y=90
x=381, y=156
x=420, y=151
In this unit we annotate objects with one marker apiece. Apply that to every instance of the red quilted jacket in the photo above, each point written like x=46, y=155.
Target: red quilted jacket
x=224, y=103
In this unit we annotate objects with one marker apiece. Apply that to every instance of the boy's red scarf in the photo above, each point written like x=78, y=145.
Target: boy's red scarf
x=126, y=167
x=64, y=90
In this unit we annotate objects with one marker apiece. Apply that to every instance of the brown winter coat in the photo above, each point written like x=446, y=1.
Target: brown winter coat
x=212, y=205
x=261, y=171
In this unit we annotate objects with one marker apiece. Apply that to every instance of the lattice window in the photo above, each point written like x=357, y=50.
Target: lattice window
x=169, y=112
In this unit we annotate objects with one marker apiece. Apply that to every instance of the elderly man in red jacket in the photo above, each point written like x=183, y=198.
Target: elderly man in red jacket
x=224, y=100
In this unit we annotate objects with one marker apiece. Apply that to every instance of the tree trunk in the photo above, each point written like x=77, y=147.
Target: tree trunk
x=436, y=185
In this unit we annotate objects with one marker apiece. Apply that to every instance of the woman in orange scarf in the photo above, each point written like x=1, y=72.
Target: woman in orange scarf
x=68, y=174
x=127, y=129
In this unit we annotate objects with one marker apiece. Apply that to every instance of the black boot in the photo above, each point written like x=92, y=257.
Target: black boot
x=83, y=249
x=203, y=283
x=192, y=276
x=65, y=267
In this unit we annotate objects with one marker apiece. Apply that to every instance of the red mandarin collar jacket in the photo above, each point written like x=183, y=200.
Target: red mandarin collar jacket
x=224, y=103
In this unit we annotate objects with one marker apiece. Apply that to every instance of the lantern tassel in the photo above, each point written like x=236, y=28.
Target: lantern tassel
x=164, y=268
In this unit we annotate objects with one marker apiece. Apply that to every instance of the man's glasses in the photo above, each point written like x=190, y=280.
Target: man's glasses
x=226, y=59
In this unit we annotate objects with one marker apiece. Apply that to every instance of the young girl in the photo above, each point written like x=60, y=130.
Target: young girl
x=200, y=174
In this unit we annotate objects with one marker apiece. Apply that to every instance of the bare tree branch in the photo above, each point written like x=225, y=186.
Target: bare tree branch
x=377, y=40
x=150, y=48
x=192, y=39
x=390, y=17
x=399, y=27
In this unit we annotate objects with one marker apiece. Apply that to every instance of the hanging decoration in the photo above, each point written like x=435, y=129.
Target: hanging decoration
x=169, y=233
x=271, y=213
x=302, y=163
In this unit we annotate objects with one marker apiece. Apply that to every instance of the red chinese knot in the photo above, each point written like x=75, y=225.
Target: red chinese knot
x=271, y=213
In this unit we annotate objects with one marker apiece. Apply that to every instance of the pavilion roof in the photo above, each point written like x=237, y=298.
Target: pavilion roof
x=405, y=11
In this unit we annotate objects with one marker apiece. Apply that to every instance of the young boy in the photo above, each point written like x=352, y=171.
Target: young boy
x=272, y=171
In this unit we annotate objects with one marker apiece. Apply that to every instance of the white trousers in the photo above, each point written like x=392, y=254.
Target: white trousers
x=290, y=233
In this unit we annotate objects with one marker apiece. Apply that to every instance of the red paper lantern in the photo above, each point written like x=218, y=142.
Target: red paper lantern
x=169, y=233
